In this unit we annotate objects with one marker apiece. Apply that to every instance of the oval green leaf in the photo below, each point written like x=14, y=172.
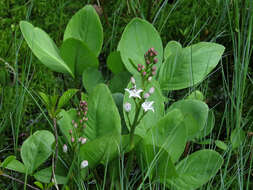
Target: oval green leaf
x=37, y=149
x=85, y=25
x=196, y=170
x=138, y=36
x=103, y=114
x=185, y=67
x=195, y=114
x=44, y=48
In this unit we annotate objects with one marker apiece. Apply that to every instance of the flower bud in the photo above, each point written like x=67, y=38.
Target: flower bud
x=83, y=140
x=149, y=78
x=153, y=73
x=84, y=164
x=146, y=95
x=151, y=90
x=132, y=80
x=154, y=68
x=64, y=148
x=155, y=60
x=127, y=107
x=72, y=139
x=144, y=73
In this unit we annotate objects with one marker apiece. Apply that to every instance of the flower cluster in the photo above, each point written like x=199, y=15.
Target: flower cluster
x=149, y=69
x=78, y=126
x=138, y=93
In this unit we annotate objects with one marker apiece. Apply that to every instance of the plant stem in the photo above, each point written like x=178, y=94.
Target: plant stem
x=19, y=181
x=54, y=161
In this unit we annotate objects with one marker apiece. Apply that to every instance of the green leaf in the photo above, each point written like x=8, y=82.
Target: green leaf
x=38, y=184
x=208, y=127
x=151, y=118
x=237, y=137
x=11, y=163
x=45, y=175
x=155, y=161
x=85, y=25
x=186, y=67
x=195, y=114
x=91, y=78
x=64, y=99
x=45, y=99
x=221, y=145
x=196, y=170
x=7, y=161
x=37, y=149
x=119, y=82
x=65, y=122
x=196, y=95
x=115, y=63
x=169, y=133
x=77, y=54
x=103, y=115
x=44, y=48
x=106, y=148
x=171, y=48
x=138, y=36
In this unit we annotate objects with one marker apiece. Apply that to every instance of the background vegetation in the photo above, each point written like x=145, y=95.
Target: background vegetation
x=228, y=90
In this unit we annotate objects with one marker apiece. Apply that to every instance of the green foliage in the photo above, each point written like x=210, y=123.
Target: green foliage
x=44, y=48
x=77, y=55
x=137, y=38
x=114, y=62
x=91, y=78
x=196, y=169
x=37, y=149
x=85, y=26
x=195, y=114
x=185, y=67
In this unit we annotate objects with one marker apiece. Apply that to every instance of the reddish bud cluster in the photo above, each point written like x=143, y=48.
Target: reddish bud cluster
x=149, y=69
x=80, y=124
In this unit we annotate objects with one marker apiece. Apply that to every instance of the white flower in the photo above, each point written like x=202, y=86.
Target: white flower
x=84, y=164
x=148, y=106
x=134, y=92
x=64, y=148
x=127, y=107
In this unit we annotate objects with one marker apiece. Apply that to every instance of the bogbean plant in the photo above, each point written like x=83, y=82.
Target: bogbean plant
x=132, y=117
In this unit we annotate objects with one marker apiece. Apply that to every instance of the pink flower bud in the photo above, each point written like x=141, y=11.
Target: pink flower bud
x=146, y=95
x=132, y=80
x=139, y=65
x=153, y=73
x=73, y=121
x=154, y=68
x=144, y=73
x=151, y=90
x=64, y=148
x=139, y=69
x=72, y=139
x=148, y=62
x=142, y=67
x=155, y=53
x=152, y=49
x=151, y=54
x=70, y=131
x=155, y=60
